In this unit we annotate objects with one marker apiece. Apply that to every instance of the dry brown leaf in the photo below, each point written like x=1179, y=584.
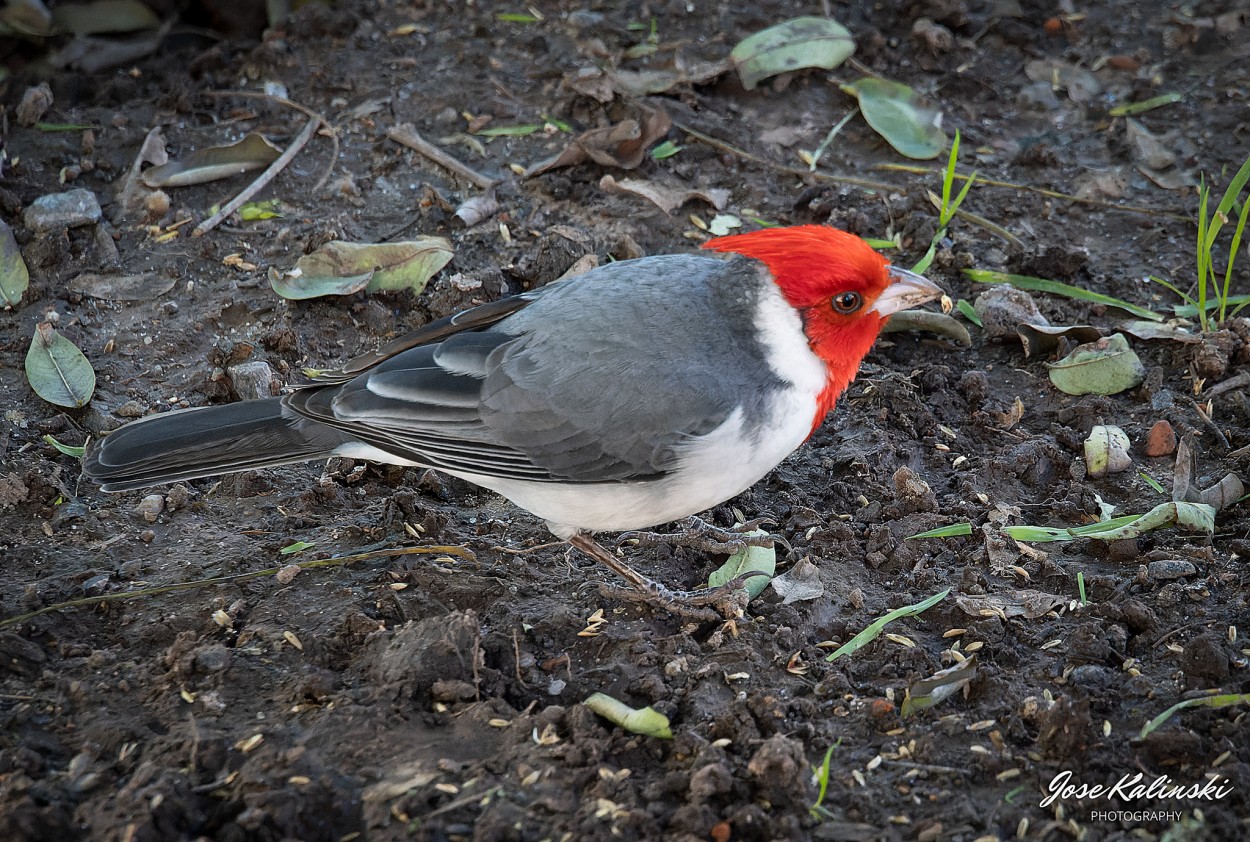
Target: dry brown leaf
x=622, y=145
x=1019, y=603
x=666, y=197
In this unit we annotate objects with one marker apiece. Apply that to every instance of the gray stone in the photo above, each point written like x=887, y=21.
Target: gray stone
x=62, y=210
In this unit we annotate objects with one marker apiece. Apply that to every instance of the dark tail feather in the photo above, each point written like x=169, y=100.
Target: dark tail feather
x=206, y=441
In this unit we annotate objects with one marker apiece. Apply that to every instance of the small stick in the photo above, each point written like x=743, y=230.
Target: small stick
x=407, y=135
x=304, y=109
x=301, y=140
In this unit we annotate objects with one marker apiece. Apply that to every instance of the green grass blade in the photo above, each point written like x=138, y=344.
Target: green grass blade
x=1189, y=302
x=969, y=311
x=1232, y=256
x=986, y=276
x=1146, y=105
x=952, y=531
x=948, y=180
x=874, y=630
x=1229, y=198
x=1202, y=257
x=1222, y=701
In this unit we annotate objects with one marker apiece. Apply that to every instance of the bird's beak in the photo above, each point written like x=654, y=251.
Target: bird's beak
x=906, y=290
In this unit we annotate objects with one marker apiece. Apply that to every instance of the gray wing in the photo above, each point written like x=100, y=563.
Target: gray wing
x=582, y=381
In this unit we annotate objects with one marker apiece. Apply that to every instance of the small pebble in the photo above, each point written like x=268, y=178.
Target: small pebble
x=62, y=210
x=151, y=506
x=147, y=536
x=254, y=379
x=1161, y=441
x=1170, y=568
x=131, y=409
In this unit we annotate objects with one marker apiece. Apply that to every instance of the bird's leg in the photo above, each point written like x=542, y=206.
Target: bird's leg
x=728, y=600
x=698, y=534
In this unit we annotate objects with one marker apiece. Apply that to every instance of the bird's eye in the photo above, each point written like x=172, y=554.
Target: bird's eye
x=847, y=302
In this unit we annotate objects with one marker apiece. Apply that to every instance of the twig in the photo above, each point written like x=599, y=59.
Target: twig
x=717, y=143
x=1239, y=381
x=407, y=135
x=281, y=100
x=301, y=140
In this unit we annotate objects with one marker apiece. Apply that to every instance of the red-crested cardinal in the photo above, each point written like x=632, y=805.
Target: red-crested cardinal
x=638, y=393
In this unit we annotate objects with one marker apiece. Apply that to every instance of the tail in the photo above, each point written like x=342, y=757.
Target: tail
x=205, y=441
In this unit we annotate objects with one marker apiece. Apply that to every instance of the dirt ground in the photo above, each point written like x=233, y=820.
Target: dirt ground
x=439, y=696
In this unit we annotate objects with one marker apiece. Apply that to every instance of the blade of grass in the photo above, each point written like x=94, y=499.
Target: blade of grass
x=952, y=531
x=986, y=276
x=873, y=631
x=1222, y=701
x=1232, y=257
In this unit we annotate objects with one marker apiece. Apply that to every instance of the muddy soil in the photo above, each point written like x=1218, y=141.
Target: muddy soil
x=191, y=693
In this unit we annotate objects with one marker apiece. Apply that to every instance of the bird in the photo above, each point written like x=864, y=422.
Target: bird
x=638, y=393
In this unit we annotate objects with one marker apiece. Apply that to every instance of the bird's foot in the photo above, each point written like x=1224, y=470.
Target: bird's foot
x=698, y=534
x=724, y=602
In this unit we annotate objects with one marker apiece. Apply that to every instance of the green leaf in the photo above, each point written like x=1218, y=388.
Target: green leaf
x=516, y=17
x=297, y=286
x=748, y=560
x=1221, y=701
x=1145, y=105
x=340, y=265
x=881, y=244
x=969, y=312
x=268, y=209
x=667, y=149
x=508, y=131
x=986, y=276
x=953, y=531
x=646, y=721
x=67, y=449
x=297, y=547
x=57, y=370
x=874, y=630
x=14, y=278
x=793, y=45
x=62, y=127
x=895, y=112
x=1197, y=517
x=1106, y=367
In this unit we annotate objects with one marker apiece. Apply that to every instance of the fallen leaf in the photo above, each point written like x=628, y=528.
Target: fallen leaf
x=793, y=45
x=749, y=559
x=1040, y=340
x=899, y=115
x=622, y=145
x=938, y=687
x=341, y=265
x=799, y=584
x=1106, y=451
x=57, y=370
x=253, y=152
x=666, y=197
x=143, y=287
x=1106, y=367
x=1029, y=604
x=14, y=277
